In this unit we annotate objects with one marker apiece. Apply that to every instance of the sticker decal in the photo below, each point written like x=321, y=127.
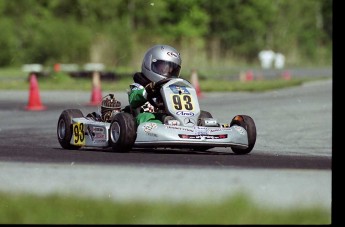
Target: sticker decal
x=96, y=133
x=149, y=126
x=99, y=141
x=178, y=89
x=199, y=130
x=179, y=128
x=239, y=129
x=151, y=134
x=182, y=102
x=172, y=54
x=189, y=121
x=184, y=113
x=212, y=137
x=78, y=134
x=215, y=130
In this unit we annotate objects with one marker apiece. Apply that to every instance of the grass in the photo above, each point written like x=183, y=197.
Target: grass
x=15, y=80
x=57, y=209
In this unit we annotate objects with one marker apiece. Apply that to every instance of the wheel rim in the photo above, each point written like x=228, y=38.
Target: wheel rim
x=61, y=129
x=115, y=132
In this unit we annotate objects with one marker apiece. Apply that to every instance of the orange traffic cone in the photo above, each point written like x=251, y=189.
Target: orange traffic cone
x=34, y=95
x=96, y=95
x=249, y=75
x=57, y=68
x=195, y=83
x=286, y=75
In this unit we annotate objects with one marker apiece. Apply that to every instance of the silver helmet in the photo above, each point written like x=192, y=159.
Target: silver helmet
x=160, y=62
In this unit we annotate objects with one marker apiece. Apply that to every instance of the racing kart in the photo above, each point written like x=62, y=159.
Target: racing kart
x=186, y=126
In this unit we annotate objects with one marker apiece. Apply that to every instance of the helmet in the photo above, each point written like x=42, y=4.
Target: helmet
x=160, y=62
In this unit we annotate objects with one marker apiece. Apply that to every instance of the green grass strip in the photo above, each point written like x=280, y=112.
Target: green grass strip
x=56, y=209
x=64, y=82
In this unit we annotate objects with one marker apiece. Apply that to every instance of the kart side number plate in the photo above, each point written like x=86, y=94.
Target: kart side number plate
x=78, y=134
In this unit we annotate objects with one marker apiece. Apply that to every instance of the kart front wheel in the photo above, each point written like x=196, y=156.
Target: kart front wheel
x=64, y=128
x=248, y=124
x=122, y=132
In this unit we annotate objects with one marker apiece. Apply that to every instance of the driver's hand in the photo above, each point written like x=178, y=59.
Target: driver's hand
x=150, y=88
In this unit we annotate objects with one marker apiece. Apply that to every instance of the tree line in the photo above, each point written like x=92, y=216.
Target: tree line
x=118, y=32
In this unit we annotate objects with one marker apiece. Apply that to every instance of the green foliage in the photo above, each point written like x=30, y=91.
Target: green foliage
x=118, y=32
x=241, y=26
x=249, y=86
x=239, y=209
x=59, y=78
x=7, y=42
x=184, y=19
x=55, y=41
x=62, y=81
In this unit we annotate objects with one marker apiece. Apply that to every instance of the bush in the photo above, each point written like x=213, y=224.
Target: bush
x=55, y=41
x=7, y=42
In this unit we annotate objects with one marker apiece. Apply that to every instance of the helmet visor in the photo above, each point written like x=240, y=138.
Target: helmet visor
x=165, y=68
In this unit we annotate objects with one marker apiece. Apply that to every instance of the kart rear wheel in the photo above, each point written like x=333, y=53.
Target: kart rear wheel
x=64, y=128
x=248, y=124
x=122, y=132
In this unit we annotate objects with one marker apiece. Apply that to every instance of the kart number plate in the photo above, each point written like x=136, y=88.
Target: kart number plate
x=182, y=102
x=78, y=134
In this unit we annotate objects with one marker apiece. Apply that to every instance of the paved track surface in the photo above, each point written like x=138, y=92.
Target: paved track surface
x=290, y=165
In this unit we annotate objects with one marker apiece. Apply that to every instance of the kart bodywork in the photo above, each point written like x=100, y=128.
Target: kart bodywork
x=188, y=126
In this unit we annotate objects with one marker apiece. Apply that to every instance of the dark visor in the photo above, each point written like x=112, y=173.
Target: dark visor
x=165, y=68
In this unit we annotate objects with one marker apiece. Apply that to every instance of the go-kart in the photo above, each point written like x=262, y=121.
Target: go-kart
x=186, y=126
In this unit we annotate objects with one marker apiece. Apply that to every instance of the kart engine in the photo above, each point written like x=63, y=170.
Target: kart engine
x=109, y=107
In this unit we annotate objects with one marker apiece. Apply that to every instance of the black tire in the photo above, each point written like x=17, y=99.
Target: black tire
x=64, y=128
x=122, y=132
x=203, y=114
x=248, y=124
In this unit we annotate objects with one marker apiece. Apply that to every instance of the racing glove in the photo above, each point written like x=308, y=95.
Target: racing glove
x=150, y=88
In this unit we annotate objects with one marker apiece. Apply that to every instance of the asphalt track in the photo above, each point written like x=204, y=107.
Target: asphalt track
x=291, y=163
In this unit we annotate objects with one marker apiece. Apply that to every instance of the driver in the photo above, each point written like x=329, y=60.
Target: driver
x=160, y=62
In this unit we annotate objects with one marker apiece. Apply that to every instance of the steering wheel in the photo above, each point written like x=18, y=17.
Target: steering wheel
x=157, y=94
